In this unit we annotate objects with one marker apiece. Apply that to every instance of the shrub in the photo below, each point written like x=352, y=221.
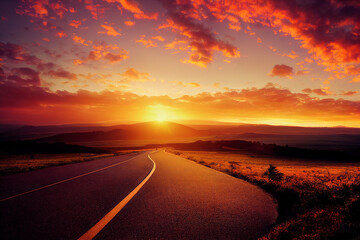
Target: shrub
x=273, y=174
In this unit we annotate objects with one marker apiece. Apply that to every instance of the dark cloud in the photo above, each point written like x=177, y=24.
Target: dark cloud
x=62, y=74
x=2, y=75
x=24, y=77
x=350, y=93
x=17, y=53
x=282, y=70
x=328, y=29
x=320, y=92
x=201, y=40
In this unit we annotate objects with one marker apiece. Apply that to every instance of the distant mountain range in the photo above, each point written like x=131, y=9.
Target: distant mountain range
x=159, y=130
x=148, y=130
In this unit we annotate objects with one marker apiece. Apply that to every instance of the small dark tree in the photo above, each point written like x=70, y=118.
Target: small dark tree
x=273, y=174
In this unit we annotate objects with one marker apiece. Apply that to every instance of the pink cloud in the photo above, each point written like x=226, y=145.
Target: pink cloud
x=282, y=70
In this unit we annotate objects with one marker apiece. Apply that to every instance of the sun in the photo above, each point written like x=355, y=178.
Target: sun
x=161, y=116
x=159, y=113
x=162, y=113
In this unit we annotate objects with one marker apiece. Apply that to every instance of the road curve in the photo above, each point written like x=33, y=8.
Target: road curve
x=185, y=200
x=180, y=200
x=69, y=209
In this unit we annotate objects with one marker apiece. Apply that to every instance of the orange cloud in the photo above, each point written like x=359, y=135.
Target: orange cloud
x=356, y=79
x=59, y=9
x=184, y=84
x=61, y=34
x=269, y=102
x=80, y=40
x=291, y=55
x=159, y=38
x=350, y=93
x=147, y=42
x=75, y=23
x=133, y=7
x=318, y=91
x=132, y=74
x=110, y=30
x=177, y=45
x=96, y=10
x=129, y=23
x=301, y=72
x=36, y=8
x=216, y=85
x=103, y=51
x=282, y=70
x=194, y=84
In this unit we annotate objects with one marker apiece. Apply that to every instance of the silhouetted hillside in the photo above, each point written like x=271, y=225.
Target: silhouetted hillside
x=31, y=132
x=259, y=148
x=148, y=130
x=282, y=130
x=35, y=147
x=163, y=129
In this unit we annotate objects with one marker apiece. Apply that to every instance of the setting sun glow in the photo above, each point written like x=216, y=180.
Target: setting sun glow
x=160, y=113
x=65, y=62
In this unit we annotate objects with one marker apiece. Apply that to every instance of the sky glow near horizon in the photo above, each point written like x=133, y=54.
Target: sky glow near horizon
x=86, y=61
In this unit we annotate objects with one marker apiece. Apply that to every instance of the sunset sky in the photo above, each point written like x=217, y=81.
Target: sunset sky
x=253, y=61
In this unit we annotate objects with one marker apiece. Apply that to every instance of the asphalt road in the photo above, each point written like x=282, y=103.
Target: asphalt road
x=180, y=200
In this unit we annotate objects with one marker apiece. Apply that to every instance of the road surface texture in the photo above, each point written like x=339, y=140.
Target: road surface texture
x=180, y=200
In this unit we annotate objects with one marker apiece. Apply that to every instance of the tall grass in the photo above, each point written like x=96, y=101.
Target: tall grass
x=317, y=200
x=23, y=163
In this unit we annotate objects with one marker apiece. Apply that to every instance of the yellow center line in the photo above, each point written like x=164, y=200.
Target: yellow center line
x=110, y=215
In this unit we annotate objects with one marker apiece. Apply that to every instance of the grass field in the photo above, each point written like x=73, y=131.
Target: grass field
x=317, y=200
x=23, y=163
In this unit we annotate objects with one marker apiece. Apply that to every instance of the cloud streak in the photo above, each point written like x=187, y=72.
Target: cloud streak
x=267, y=102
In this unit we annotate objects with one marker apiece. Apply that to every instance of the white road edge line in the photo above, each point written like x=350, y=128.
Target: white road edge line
x=110, y=215
x=65, y=180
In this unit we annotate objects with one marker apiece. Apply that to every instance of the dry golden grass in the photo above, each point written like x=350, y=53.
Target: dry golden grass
x=296, y=172
x=23, y=163
x=317, y=200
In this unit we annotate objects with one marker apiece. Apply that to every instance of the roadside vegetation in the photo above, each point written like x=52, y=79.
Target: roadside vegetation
x=10, y=164
x=317, y=199
x=29, y=155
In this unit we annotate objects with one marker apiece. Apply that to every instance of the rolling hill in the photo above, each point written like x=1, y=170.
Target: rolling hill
x=147, y=130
